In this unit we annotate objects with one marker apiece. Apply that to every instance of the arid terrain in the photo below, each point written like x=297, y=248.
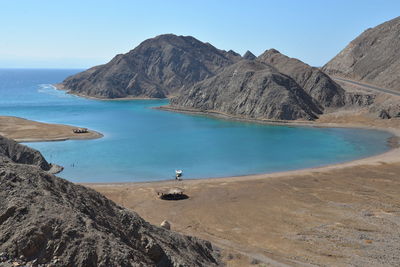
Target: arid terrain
x=190, y=99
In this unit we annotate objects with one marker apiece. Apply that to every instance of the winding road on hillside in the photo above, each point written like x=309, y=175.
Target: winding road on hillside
x=367, y=86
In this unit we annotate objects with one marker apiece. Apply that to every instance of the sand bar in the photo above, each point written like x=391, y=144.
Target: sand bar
x=23, y=130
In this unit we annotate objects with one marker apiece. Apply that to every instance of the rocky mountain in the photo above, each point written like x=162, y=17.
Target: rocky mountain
x=373, y=57
x=181, y=67
x=157, y=68
x=324, y=91
x=48, y=220
x=250, y=89
x=249, y=56
x=17, y=153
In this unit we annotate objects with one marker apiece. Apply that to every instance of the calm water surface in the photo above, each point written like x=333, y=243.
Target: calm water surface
x=143, y=144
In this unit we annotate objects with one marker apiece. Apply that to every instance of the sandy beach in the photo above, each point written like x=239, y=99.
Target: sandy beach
x=341, y=215
x=23, y=130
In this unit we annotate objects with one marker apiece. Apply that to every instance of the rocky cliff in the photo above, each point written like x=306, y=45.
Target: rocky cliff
x=18, y=153
x=324, y=91
x=157, y=68
x=250, y=89
x=373, y=57
x=48, y=220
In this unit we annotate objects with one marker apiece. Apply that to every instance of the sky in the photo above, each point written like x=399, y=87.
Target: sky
x=84, y=33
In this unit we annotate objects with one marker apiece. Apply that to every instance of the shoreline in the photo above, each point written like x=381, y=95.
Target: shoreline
x=390, y=156
x=327, y=215
x=27, y=131
x=383, y=158
x=391, y=153
x=61, y=88
x=330, y=215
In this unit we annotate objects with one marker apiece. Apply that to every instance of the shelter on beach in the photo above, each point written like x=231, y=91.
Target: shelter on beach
x=80, y=130
x=174, y=193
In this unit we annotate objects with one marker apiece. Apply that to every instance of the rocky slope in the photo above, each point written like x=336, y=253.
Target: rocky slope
x=373, y=57
x=47, y=220
x=157, y=68
x=18, y=153
x=324, y=91
x=250, y=89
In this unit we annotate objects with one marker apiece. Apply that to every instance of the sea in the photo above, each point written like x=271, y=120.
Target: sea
x=141, y=143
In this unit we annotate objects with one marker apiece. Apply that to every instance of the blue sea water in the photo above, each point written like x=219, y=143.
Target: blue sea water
x=144, y=144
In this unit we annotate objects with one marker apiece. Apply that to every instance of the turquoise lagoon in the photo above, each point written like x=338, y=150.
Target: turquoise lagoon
x=145, y=144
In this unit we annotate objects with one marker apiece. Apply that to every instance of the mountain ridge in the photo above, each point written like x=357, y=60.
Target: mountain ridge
x=251, y=89
x=372, y=57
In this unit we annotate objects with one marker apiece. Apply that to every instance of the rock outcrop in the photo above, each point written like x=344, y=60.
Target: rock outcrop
x=18, y=153
x=48, y=220
x=249, y=56
x=324, y=91
x=157, y=68
x=373, y=57
x=250, y=89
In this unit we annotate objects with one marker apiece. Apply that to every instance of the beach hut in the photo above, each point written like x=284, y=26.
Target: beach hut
x=174, y=193
x=80, y=130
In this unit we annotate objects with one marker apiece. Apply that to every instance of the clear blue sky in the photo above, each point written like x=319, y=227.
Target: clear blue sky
x=80, y=34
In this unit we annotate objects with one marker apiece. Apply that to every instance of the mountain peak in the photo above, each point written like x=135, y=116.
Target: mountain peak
x=272, y=51
x=249, y=56
x=156, y=68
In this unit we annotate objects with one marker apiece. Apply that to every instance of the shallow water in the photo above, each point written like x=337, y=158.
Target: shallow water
x=143, y=144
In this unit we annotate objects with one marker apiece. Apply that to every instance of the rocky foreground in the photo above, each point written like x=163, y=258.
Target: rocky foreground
x=373, y=57
x=17, y=153
x=48, y=220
